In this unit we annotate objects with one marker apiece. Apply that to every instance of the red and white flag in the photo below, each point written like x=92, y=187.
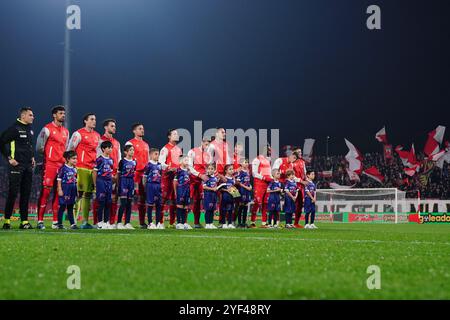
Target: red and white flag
x=374, y=173
x=354, y=158
x=381, y=136
x=432, y=146
x=408, y=157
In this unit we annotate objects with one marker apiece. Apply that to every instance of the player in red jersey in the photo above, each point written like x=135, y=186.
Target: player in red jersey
x=169, y=157
x=141, y=150
x=284, y=164
x=238, y=158
x=110, y=127
x=199, y=159
x=300, y=178
x=262, y=174
x=84, y=142
x=52, y=142
x=220, y=152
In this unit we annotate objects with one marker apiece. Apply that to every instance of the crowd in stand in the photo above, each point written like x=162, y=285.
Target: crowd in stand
x=434, y=185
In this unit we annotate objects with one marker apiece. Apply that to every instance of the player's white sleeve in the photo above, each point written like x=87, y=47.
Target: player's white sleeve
x=229, y=159
x=163, y=157
x=99, y=150
x=277, y=163
x=210, y=150
x=119, y=153
x=191, y=159
x=67, y=141
x=74, y=141
x=255, y=167
x=42, y=140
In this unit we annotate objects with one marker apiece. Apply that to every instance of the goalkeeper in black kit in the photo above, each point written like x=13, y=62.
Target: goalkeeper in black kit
x=16, y=145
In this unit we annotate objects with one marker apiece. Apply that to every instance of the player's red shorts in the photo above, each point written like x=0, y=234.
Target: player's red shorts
x=299, y=201
x=138, y=176
x=196, y=188
x=260, y=192
x=167, y=191
x=50, y=173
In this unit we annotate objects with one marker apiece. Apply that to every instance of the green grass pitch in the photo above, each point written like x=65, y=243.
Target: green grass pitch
x=328, y=263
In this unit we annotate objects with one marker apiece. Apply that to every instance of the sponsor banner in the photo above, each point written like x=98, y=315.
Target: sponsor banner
x=435, y=218
x=377, y=217
x=383, y=206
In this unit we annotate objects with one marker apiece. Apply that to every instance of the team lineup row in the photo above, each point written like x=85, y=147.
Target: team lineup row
x=209, y=176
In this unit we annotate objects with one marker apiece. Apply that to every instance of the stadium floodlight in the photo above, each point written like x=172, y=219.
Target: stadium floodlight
x=374, y=204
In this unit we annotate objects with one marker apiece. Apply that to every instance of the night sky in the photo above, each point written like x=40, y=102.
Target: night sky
x=310, y=68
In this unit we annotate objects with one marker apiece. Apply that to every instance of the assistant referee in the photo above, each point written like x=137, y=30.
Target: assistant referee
x=16, y=144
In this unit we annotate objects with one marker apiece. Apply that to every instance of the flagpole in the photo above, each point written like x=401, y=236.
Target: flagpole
x=66, y=72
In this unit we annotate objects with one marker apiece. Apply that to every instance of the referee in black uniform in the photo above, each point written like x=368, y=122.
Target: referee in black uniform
x=16, y=144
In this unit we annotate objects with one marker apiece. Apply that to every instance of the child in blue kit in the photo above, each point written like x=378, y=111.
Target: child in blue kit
x=227, y=200
x=273, y=205
x=310, y=200
x=245, y=189
x=210, y=196
x=67, y=189
x=102, y=177
x=182, y=188
x=152, y=181
x=127, y=186
x=291, y=192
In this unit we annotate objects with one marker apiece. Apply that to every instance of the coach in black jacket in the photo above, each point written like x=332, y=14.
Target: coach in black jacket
x=16, y=144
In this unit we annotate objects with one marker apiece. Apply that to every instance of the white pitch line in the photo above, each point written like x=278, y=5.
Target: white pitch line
x=413, y=242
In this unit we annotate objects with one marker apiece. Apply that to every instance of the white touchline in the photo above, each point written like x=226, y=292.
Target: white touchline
x=235, y=237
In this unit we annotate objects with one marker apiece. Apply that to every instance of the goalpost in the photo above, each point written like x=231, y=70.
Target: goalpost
x=382, y=205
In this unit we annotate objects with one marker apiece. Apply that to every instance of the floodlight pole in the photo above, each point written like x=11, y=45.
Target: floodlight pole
x=66, y=75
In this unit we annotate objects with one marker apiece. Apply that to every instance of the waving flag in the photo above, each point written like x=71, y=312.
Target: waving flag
x=408, y=157
x=308, y=149
x=374, y=173
x=444, y=157
x=411, y=171
x=434, y=140
x=381, y=136
x=354, y=158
